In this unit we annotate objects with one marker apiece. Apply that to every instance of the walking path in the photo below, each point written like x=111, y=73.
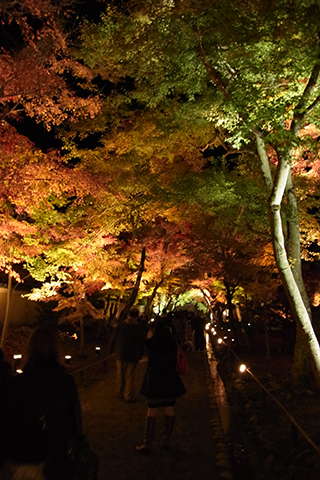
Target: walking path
x=114, y=427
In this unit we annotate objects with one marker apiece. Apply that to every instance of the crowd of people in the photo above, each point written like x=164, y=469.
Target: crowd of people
x=40, y=410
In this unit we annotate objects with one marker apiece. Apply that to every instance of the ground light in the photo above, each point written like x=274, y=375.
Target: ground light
x=67, y=359
x=17, y=357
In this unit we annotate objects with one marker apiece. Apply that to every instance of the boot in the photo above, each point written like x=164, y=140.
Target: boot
x=150, y=425
x=169, y=423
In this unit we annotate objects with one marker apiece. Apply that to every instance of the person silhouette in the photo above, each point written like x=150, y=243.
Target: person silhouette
x=42, y=411
x=127, y=343
x=161, y=384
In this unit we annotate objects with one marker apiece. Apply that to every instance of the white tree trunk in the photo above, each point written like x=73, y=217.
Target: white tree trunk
x=291, y=280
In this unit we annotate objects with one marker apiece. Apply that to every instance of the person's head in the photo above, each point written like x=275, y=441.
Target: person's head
x=134, y=313
x=43, y=345
x=162, y=331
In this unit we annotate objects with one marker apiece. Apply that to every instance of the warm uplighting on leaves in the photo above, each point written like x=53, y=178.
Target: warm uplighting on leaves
x=47, y=290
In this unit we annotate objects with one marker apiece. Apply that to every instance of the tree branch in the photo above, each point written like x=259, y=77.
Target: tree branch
x=302, y=109
x=214, y=75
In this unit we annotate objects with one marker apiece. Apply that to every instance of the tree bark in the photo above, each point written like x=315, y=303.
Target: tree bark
x=7, y=318
x=306, y=351
x=301, y=366
x=292, y=280
x=152, y=297
x=135, y=289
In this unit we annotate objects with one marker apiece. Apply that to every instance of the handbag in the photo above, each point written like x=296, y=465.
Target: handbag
x=182, y=364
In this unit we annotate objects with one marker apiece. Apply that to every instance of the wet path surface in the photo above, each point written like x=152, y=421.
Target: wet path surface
x=114, y=428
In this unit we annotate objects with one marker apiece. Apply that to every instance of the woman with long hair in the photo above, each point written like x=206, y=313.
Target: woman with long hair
x=43, y=413
x=161, y=384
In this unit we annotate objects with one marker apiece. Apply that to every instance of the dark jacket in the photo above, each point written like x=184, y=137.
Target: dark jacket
x=161, y=380
x=128, y=342
x=43, y=414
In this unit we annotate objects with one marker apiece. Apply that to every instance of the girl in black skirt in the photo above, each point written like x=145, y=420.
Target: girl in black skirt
x=161, y=384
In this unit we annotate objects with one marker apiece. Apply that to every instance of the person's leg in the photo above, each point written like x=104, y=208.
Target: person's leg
x=168, y=427
x=150, y=424
x=129, y=387
x=169, y=411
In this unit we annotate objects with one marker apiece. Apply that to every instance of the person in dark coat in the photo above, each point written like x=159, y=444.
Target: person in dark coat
x=161, y=384
x=42, y=410
x=198, y=324
x=127, y=343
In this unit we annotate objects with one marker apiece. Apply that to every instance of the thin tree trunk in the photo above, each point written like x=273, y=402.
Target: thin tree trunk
x=7, y=318
x=152, y=297
x=117, y=311
x=135, y=290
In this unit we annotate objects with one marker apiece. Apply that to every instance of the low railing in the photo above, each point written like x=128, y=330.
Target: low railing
x=83, y=370
x=295, y=426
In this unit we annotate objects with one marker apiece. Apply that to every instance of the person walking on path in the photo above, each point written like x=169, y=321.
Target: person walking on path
x=161, y=384
x=198, y=324
x=128, y=345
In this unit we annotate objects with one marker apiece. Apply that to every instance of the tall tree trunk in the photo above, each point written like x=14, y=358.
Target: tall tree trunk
x=152, y=297
x=307, y=346
x=208, y=302
x=301, y=366
x=7, y=318
x=135, y=289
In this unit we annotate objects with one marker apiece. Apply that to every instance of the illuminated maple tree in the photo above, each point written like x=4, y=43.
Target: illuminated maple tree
x=233, y=67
